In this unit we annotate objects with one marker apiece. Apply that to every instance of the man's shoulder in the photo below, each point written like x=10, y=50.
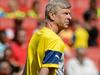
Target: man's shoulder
x=49, y=37
x=89, y=61
x=72, y=61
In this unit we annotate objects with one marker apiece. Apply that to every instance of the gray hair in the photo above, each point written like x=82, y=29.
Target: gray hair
x=54, y=5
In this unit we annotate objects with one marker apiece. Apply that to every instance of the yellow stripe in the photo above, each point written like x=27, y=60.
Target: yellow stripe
x=50, y=65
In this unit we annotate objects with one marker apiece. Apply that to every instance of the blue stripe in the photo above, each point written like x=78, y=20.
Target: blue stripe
x=52, y=57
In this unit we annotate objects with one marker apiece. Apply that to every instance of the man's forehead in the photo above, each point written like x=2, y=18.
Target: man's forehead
x=64, y=10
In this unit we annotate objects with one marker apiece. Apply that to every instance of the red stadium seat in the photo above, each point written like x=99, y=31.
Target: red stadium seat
x=6, y=23
x=30, y=23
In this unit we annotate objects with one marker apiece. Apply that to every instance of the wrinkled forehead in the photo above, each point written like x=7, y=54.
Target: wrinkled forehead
x=64, y=9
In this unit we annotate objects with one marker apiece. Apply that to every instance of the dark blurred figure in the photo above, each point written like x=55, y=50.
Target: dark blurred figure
x=8, y=55
x=90, y=19
x=9, y=58
x=5, y=68
x=93, y=6
x=81, y=65
x=18, y=24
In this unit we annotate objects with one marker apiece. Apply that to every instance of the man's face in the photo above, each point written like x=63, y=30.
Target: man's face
x=81, y=53
x=93, y=20
x=5, y=68
x=21, y=36
x=62, y=18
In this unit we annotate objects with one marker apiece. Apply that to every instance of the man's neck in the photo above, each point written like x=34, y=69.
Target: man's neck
x=81, y=60
x=53, y=27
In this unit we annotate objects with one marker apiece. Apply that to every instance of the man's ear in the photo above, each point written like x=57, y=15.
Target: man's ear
x=51, y=16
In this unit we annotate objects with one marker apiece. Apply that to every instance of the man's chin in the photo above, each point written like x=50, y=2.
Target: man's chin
x=65, y=27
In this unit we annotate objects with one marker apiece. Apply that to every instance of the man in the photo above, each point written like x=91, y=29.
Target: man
x=90, y=18
x=81, y=65
x=46, y=48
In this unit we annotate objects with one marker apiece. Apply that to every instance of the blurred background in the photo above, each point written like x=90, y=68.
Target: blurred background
x=19, y=19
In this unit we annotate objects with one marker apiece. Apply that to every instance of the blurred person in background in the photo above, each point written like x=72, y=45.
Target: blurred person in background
x=19, y=47
x=9, y=35
x=93, y=6
x=13, y=6
x=5, y=68
x=81, y=65
x=90, y=19
x=3, y=43
x=34, y=12
x=14, y=10
x=81, y=36
x=9, y=58
x=46, y=49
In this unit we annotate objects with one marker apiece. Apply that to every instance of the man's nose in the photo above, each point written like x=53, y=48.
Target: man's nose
x=69, y=16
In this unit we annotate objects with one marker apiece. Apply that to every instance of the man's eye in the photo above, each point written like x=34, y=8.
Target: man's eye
x=67, y=13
